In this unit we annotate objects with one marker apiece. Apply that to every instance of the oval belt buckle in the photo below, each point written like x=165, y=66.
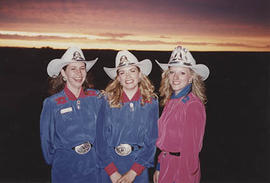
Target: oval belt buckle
x=83, y=148
x=123, y=149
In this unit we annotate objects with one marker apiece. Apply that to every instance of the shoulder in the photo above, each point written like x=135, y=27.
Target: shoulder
x=194, y=103
x=92, y=92
x=58, y=98
x=152, y=99
x=194, y=98
x=153, y=102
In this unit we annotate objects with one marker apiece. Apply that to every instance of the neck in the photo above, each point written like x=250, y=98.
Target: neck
x=182, y=92
x=130, y=93
x=76, y=91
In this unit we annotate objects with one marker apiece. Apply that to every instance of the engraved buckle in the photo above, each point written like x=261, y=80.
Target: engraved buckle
x=123, y=149
x=83, y=148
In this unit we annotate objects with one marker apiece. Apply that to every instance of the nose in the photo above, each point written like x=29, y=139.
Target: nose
x=176, y=76
x=127, y=74
x=78, y=72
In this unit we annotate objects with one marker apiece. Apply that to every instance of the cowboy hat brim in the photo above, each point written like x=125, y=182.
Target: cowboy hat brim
x=144, y=65
x=201, y=69
x=55, y=66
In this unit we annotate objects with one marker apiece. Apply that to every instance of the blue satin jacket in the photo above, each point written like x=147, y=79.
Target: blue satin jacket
x=65, y=122
x=132, y=124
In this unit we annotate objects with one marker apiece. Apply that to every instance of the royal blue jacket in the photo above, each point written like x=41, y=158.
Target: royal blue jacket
x=65, y=122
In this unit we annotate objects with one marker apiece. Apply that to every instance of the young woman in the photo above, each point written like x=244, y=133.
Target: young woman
x=68, y=120
x=127, y=122
x=181, y=125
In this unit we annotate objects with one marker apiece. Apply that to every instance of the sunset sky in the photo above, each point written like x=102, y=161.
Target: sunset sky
x=199, y=25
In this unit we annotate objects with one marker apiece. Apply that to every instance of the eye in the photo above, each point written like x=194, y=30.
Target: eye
x=183, y=73
x=171, y=72
x=121, y=72
x=133, y=70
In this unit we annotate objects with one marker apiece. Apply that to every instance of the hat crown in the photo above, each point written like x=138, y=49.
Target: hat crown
x=125, y=58
x=181, y=55
x=73, y=54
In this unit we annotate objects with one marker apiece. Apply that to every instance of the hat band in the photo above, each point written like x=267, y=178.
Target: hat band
x=77, y=59
x=179, y=62
x=125, y=64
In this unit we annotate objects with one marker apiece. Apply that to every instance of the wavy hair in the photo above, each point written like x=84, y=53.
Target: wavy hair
x=198, y=87
x=114, y=91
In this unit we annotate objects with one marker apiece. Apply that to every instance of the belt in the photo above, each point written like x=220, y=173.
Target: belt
x=171, y=153
x=82, y=148
x=174, y=153
x=125, y=149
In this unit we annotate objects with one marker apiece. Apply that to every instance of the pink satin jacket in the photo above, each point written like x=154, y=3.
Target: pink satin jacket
x=181, y=129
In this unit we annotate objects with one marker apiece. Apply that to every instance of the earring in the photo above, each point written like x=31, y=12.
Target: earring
x=64, y=79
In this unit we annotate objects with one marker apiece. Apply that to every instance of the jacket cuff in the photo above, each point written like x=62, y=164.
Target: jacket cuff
x=111, y=168
x=158, y=167
x=137, y=168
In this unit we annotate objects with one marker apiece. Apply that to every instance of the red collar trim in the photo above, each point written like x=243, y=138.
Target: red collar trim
x=71, y=96
x=136, y=97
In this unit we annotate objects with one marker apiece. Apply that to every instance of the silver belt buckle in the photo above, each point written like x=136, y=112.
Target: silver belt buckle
x=83, y=148
x=123, y=149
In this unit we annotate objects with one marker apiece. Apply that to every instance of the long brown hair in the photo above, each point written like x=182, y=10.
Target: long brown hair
x=198, y=87
x=114, y=91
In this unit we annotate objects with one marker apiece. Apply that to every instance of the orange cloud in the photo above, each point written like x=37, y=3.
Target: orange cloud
x=156, y=24
x=121, y=39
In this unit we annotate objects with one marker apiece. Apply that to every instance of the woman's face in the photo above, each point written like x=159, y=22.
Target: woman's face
x=129, y=78
x=179, y=77
x=74, y=74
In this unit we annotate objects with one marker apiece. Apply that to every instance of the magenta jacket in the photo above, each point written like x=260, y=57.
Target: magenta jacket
x=181, y=129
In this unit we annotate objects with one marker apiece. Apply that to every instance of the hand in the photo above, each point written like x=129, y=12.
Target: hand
x=155, y=176
x=115, y=177
x=128, y=177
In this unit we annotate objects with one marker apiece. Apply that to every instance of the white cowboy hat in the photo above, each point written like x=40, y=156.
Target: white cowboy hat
x=182, y=57
x=125, y=58
x=73, y=54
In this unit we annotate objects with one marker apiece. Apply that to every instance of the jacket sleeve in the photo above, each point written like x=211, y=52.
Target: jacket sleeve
x=147, y=153
x=193, y=136
x=47, y=132
x=103, y=149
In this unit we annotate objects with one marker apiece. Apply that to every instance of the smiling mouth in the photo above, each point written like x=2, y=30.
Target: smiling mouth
x=176, y=82
x=129, y=81
x=78, y=79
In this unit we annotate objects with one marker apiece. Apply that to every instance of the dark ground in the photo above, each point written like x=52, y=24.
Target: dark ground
x=237, y=138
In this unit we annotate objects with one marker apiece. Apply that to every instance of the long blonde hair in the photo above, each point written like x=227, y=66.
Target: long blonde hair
x=114, y=91
x=198, y=87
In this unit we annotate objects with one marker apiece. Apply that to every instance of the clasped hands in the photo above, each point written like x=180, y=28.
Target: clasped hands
x=128, y=177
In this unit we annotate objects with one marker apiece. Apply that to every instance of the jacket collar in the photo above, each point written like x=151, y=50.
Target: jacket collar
x=136, y=97
x=71, y=96
x=184, y=92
